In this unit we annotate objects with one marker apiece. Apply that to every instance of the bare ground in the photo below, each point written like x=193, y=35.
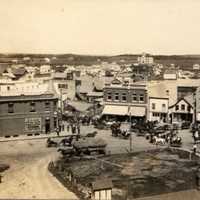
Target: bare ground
x=28, y=176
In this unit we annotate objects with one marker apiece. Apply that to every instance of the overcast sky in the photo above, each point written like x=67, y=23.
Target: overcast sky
x=100, y=26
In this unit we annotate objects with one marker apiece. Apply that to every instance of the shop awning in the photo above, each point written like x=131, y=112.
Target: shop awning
x=115, y=110
x=137, y=111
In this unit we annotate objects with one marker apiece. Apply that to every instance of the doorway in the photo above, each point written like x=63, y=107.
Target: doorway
x=47, y=126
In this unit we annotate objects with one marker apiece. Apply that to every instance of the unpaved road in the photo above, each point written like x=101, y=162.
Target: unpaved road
x=28, y=176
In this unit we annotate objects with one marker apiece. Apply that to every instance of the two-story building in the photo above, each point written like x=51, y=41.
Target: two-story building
x=124, y=100
x=182, y=110
x=27, y=112
x=158, y=109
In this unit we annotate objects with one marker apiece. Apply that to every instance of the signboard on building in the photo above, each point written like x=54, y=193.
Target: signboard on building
x=198, y=116
x=33, y=124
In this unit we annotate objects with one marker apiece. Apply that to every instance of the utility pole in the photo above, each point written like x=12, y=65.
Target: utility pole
x=195, y=109
x=131, y=149
x=61, y=110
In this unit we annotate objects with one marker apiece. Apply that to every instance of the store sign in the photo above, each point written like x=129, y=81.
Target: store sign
x=33, y=124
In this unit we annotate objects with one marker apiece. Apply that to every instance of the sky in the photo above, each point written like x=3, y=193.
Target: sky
x=100, y=27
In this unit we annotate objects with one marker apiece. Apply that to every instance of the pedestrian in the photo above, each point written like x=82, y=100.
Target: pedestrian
x=68, y=127
x=196, y=135
x=78, y=129
x=58, y=131
x=194, y=148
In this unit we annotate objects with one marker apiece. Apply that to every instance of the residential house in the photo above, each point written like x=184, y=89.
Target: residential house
x=44, y=69
x=170, y=74
x=182, y=110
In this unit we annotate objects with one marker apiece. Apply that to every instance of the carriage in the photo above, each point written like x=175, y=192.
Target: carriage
x=84, y=146
x=176, y=142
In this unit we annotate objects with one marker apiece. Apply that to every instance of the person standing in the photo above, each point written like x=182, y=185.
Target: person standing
x=58, y=131
x=78, y=129
x=194, y=148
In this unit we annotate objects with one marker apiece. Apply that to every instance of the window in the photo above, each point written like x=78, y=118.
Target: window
x=141, y=97
x=10, y=108
x=163, y=105
x=32, y=107
x=182, y=107
x=47, y=105
x=153, y=106
x=63, y=86
x=189, y=108
x=109, y=97
x=124, y=98
x=156, y=114
x=116, y=96
x=134, y=97
x=177, y=107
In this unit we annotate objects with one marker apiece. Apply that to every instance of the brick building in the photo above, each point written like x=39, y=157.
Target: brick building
x=28, y=114
x=123, y=100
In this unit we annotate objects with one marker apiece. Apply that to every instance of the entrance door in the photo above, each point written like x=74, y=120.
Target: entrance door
x=47, y=126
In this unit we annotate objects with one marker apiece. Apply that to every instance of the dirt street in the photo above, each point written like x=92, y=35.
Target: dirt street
x=28, y=176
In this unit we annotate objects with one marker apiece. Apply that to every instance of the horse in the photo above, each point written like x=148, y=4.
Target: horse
x=158, y=140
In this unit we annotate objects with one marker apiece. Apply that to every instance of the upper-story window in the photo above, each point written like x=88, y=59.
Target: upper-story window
x=109, y=97
x=134, y=97
x=163, y=106
x=116, y=96
x=153, y=106
x=177, y=107
x=182, y=107
x=124, y=97
x=32, y=107
x=47, y=105
x=10, y=108
x=141, y=97
x=189, y=108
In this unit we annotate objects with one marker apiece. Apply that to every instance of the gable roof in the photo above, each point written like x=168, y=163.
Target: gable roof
x=116, y=81
x=182, y=99
x=3, y=68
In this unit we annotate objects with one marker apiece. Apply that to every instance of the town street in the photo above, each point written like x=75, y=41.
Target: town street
x=28, y=176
